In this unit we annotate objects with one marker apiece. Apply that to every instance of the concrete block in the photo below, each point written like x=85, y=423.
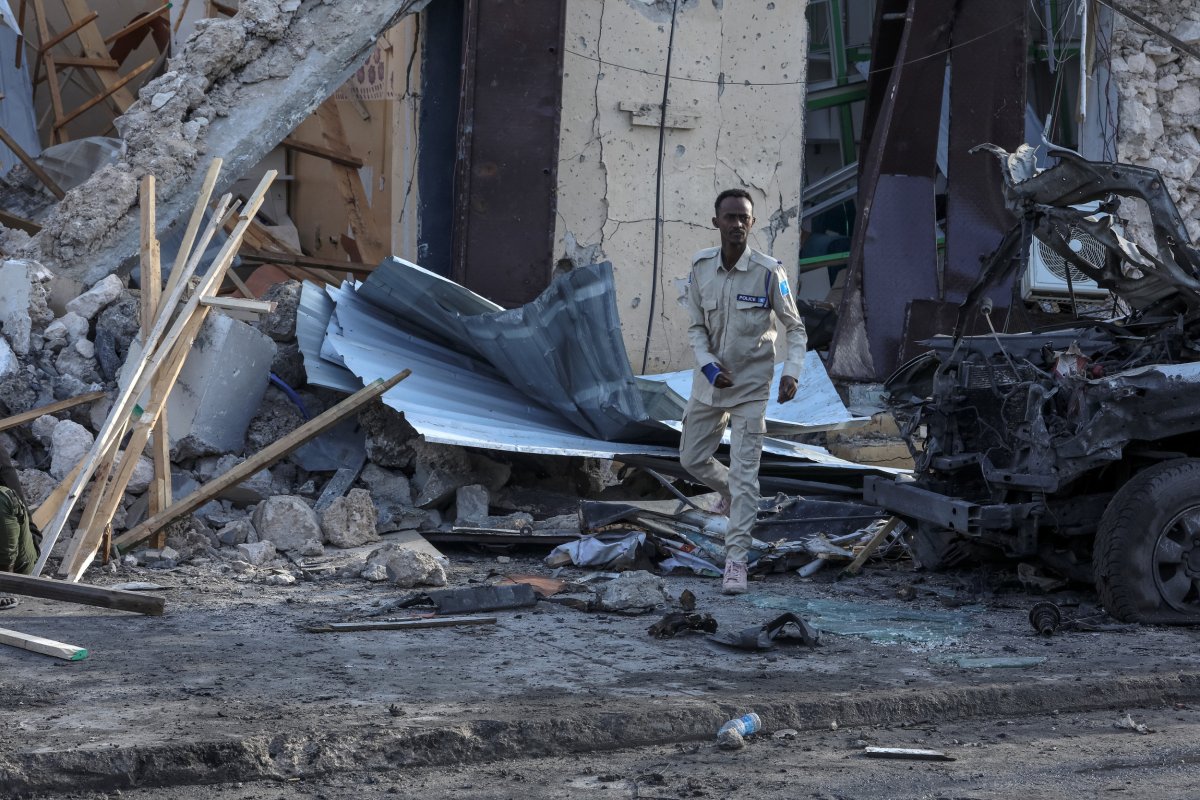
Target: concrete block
x=9, y=365
x=350, y=521
x=472, y=503
x=237, y=532
x=219, y=389
x=69, y=444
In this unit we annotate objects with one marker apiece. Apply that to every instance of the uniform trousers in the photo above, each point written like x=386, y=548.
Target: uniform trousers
x=703, y=427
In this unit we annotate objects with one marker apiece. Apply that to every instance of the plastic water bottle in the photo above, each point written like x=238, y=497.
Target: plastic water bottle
x=744, y=725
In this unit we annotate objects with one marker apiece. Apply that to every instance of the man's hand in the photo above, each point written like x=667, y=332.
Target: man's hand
x=787, y=388
x=723, y=380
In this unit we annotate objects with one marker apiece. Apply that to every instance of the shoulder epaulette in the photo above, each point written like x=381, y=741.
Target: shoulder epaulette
x=707, y=252
x=765, y=260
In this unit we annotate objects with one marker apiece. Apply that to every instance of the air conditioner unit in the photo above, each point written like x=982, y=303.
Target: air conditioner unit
x=1046, y=277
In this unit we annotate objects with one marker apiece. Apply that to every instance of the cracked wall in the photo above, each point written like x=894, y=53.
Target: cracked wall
x=1159, y=107
x=735, y=119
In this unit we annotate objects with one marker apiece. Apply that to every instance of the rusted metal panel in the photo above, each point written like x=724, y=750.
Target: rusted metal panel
x=893, y=254
x=508, y=148
x=987, y=104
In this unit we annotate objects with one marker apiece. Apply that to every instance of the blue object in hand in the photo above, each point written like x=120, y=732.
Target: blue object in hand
x=711, y=371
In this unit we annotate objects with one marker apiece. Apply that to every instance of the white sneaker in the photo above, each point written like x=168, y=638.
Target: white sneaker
x=734, y=581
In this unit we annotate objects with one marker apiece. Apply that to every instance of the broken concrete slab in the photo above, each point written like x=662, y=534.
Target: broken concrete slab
x=69, y=444
x=236, y=89
x=219, y=389
x=23, y=303
x=257, y=553
x=632, y=593
x=240, y=531
x=472, y=503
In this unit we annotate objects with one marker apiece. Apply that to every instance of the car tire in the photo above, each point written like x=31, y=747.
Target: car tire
x=1146, y=559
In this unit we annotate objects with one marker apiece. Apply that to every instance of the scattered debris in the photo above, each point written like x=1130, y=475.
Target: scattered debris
x=399, y=624
x=476, y=598
x=732, y=735
x=1127, y=723
x=906, y=753
x=1045, y=618
x=677, y=621
x=632, y=593
x=404, y=567
x=786, y=627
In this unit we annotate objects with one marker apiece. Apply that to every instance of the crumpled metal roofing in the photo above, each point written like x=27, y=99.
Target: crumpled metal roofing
x=563, y=350
x=455, y=396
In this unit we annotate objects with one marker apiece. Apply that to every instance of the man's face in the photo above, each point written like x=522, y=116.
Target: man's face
x=734, y=218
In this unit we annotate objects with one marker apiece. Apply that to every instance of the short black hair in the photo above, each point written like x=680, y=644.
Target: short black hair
x=742, y=193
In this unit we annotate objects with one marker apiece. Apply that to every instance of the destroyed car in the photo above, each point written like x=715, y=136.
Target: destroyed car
x=1078, y=445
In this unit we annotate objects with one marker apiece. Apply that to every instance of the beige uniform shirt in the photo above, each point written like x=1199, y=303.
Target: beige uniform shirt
x=733, y=315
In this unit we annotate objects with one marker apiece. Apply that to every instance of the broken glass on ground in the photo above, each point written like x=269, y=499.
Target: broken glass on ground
x=876, y=623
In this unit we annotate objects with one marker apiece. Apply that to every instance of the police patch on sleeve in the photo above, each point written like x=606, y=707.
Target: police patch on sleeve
x=783, y=287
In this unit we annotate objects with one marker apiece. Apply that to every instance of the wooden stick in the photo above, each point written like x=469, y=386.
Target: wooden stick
x=189, y=235
x=140, y=22
x=20, y=223
x=85, y=594
x=45, y=512
x=240, y=304
x=399, y=624
x=92, y=63
x=70, y=30
x=95, y=499
x=870, y=546
x=240, y=284
x=345, y=159
x=264, y=458
x=49, y=408
x=179, y=19
x=116, y=86
x=32, y=165
x=47, y=647
x=155, y=351
x=370, y=243
x=160, y=484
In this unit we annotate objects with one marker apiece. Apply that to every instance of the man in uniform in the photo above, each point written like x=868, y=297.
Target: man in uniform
x=735, y=296
x=20, y=540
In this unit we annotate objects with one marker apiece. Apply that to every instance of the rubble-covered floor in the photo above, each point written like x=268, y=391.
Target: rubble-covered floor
x=231, y=663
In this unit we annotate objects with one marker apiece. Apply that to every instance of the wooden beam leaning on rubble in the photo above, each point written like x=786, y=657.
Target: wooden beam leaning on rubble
x=49, y=408
x=260, y=460
x=156, y=351
x=103, y=504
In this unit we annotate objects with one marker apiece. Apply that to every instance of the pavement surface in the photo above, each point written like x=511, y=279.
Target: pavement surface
x=228, y=686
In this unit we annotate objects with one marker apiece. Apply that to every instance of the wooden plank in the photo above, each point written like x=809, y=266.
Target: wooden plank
x=870, y=546
x=47, y=647
x=32, y=165
x=155, y=351
x=92, y=63
x=100, y=98
x=160, y=455
x=49, y=408
x=20, y=223
x=45, y=512
x=240, y=304
x=138, y=23
x=371, y=244
x=399, y=624
x=82, y=593
x=94, y=47
x=245, y=290
x=334, y=156
x=193, y=226
x=911, y=753
x=264, y=458
x=70, y=30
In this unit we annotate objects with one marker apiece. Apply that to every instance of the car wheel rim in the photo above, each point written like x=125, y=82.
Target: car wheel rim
x=1177, y=561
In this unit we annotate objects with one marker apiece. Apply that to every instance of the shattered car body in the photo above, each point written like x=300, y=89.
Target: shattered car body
x=1077, y=445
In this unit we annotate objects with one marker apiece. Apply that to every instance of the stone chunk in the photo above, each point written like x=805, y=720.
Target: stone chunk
x=88, y=304
x=9, y=365
x=240, y=531
x=280, y=324
x=632, y=592
x=23, y=303
x=257, y=553
x=287, y=521
x=472, y=503
x=69, y=444
x=406, y=568
x=350, y=521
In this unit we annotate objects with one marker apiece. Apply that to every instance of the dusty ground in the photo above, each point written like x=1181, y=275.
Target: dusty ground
x=1052, y=757
x=228, y=686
